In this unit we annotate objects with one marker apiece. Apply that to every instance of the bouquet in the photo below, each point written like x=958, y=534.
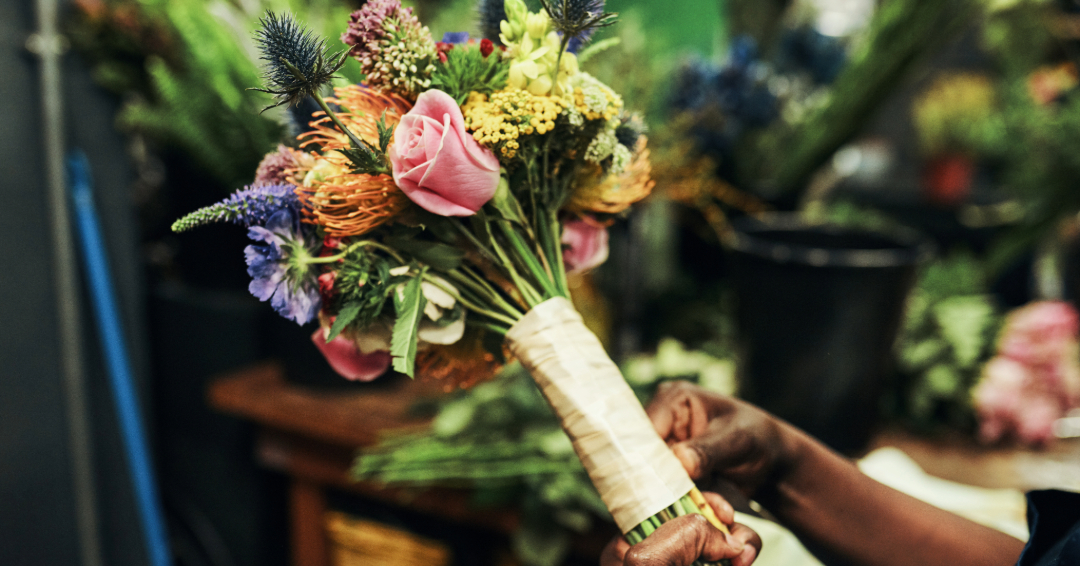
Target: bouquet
x=429, y=216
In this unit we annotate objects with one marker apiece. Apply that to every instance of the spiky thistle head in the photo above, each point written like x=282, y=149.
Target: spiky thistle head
x=298, y=63
x=492, y=13
x=576, y=20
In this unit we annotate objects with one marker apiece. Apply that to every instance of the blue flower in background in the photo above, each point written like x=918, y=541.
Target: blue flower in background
x=725, y=101
x=280, y=267
x=455, y=37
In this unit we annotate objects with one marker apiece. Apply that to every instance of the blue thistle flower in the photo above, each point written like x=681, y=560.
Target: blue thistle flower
x=248, y=207
x=281, y=267
x=576, y=20
x=298, y=63
x=631, y=127
x=492, y=12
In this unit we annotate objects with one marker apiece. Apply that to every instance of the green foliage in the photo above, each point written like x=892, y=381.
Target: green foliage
x=947, y=337
x=501, y=439
x=363, y=285
x=437, y=255
x=197, y=99
x=467, y=70
x=409, y=304
x=901, y=32
x=367, y=158
x=1039, y=152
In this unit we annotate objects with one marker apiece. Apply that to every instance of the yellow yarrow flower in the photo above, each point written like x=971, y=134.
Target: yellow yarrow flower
x=498, y=120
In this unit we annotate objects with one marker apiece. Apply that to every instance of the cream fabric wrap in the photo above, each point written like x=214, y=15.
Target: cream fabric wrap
x=634, y=471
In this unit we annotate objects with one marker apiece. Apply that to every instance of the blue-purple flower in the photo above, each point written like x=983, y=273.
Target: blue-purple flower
x=281, y=267
x=250, y=206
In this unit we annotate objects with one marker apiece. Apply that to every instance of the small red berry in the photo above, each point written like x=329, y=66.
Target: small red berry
x=326, y=284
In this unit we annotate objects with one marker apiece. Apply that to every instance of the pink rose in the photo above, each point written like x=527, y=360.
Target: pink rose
x=437, y=163
x=586, y=244
x=348, y=361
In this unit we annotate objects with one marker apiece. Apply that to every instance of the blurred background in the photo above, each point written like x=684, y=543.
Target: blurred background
x=857, y=202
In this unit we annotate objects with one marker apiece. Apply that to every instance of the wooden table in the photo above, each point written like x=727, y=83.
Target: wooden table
x=312, y=437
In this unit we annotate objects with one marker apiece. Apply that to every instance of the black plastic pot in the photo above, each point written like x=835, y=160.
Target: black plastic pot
x=818, y=312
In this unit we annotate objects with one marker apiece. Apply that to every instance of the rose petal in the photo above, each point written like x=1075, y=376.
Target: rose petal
x=587, y=245
x=347, y=360
x=437, y=163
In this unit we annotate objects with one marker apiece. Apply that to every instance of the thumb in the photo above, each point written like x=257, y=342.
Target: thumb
x=689, y=453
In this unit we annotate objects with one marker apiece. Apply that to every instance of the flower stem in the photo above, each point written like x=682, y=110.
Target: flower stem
x=531, y=296
x=544, y=278
x=355, y=246
x=498, y=329
x=468, y=304
x=485, y=291
x=337, y=121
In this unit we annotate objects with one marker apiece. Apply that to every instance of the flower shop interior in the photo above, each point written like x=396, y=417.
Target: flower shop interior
x=284, y=269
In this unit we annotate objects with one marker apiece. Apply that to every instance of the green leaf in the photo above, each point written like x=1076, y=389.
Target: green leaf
x=964, y=322
x=409, y=304
x=437, y=255
x=384, y=133
x=366, y=158
x=346, y=315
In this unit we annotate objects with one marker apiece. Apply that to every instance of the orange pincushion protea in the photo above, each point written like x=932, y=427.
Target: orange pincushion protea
x=461, y=364
x=349, y=204
x=614, y=193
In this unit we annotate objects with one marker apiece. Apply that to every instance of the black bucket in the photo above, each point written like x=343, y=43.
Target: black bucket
x=818, y=312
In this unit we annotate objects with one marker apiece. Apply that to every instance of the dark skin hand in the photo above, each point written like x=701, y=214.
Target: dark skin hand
x=681, y=541
x=842, y=515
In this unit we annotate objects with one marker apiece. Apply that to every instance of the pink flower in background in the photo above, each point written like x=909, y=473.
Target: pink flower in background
x=437, y=163
x=348, y=361
x=586, y=244
x=1035, y=378
x=1037, y=333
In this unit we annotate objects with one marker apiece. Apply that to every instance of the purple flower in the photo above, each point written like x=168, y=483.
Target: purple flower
x=455, y=37
x=251, y=206
x=281, y=269
x=396, y=53
x=274, y=169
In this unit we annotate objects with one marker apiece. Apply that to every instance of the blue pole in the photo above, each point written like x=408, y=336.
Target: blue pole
x=107, y=316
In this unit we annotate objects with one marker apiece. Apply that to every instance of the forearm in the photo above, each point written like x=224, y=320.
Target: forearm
x=835, y=508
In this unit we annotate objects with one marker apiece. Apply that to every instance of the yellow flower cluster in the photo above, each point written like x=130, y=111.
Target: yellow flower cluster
x=497, y=121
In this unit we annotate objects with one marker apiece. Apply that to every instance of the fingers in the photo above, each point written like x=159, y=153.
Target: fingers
x=678, y=411
x=681, y=541
x=614, y=552
x=724, y=511
x=750, y=542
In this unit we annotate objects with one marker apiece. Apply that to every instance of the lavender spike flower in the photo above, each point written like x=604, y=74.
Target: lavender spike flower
x=251, y=206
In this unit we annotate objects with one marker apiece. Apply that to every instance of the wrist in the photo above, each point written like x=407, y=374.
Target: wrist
x=793, y=449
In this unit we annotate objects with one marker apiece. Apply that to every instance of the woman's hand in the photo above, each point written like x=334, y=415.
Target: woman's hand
x=681, y=541
x=715, y=436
